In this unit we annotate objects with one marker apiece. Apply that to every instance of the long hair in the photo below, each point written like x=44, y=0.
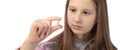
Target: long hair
x=99, y=34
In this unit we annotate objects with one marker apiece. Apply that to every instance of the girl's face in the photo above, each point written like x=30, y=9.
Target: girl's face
x=81, y=15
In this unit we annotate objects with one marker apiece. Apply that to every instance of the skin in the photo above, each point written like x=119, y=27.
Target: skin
x=40, y=29
x=81, y=16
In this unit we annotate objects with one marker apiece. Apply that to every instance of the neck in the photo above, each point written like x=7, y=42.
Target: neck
x=78, y=37
x=81, y=36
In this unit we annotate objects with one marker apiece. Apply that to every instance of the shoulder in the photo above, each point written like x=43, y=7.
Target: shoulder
x=47, y=46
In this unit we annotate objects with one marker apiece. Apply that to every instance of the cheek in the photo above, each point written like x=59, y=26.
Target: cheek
x=89, y=23
x=70, y=18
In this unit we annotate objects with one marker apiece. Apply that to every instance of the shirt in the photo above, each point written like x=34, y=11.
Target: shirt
x=80, y=45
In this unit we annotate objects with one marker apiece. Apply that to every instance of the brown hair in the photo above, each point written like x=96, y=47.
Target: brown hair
x=99, y=35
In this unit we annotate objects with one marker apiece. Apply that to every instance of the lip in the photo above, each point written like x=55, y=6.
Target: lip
x=76, y=27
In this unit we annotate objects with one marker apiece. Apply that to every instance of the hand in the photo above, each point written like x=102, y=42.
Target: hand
x=42, y=28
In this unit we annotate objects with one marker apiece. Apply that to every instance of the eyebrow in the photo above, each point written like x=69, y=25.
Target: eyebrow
x=83, y=8
x=72, y=6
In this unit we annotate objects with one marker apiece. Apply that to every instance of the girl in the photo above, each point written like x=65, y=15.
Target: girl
x=86, y=28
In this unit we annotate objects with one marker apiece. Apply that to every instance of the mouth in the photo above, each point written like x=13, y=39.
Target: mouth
x=76, y=27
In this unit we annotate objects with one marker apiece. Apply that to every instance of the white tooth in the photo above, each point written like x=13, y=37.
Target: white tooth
x=58, y=22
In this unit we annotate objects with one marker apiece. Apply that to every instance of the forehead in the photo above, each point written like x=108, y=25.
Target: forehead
x=89, y=4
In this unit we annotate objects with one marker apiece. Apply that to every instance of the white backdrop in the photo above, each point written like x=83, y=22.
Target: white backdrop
x=16, y=17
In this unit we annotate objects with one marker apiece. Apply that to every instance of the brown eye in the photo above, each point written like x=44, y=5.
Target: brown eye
x=85, y=12
x=73, y=10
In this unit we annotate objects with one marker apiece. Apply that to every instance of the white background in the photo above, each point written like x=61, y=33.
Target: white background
x=16, y=17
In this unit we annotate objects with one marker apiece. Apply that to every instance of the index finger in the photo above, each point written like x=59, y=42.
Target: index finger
x=54, y=18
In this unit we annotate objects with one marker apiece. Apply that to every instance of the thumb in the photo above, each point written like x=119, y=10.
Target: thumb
x=56, y=27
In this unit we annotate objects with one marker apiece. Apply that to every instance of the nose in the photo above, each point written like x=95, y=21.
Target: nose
x=78, y=18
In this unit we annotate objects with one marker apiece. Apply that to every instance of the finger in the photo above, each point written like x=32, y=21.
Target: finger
x=45, y=25
x=48, y=25
x=56, y=27
x=49, y=31
x=41, y=32
x=42, y=37
x=40, y=28
x=53, y=18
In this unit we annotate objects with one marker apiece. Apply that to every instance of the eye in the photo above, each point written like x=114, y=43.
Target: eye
x=86, y=12
x=73, y=10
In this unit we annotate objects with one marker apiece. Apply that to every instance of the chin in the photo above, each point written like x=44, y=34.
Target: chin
x=78, y=32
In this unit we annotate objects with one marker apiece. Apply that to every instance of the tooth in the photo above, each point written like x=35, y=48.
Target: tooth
x=58, y=22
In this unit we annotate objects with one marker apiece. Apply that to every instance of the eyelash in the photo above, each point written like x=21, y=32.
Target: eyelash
x=84, y=12
x=73, y=10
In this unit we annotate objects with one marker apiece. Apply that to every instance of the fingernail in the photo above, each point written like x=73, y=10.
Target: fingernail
x=60, y=26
